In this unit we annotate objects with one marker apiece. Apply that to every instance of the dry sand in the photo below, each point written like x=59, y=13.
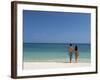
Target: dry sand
x=50, y=65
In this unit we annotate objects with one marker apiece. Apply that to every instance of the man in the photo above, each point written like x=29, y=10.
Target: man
x=70, y=49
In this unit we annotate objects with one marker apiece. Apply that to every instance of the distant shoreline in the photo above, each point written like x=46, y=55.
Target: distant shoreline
x=56, y=43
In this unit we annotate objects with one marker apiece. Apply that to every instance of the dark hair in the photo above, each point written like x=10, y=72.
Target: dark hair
x=76, y=48
x=70, y=44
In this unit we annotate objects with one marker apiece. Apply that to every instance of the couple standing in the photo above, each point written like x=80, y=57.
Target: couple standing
x=74, y=50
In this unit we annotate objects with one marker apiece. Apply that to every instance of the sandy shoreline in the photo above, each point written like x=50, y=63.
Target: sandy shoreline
x=48, y=65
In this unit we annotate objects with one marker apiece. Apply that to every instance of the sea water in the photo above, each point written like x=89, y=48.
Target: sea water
x=54, y=52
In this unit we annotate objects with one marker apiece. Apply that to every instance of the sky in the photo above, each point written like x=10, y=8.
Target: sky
x=56, y=27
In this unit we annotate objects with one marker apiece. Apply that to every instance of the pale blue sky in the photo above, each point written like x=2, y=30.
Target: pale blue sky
x=56, y=27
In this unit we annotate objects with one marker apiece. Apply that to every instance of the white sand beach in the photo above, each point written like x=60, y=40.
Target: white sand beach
x=50, y=65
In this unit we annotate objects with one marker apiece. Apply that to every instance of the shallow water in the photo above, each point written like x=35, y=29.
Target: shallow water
x=54, y=52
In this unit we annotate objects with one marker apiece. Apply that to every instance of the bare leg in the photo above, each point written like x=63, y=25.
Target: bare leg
x=76, y=58
x=70, y=57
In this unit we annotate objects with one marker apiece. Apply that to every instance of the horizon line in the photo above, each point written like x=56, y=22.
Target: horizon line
x=61, y=43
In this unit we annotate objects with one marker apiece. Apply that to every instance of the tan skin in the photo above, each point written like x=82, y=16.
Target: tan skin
x=70, y=53
x=71, y=50
x=76, y=56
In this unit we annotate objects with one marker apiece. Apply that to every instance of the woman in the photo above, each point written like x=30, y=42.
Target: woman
x=76, y=54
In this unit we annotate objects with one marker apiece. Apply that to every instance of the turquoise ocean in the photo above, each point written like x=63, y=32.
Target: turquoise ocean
x=54, y=52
